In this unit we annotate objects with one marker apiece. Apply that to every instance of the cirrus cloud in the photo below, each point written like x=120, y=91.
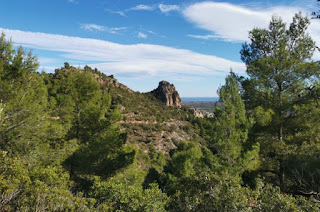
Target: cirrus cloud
x=95, y=27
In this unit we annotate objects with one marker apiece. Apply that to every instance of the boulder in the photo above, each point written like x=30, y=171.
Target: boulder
x=167, y=94
x=196, y=112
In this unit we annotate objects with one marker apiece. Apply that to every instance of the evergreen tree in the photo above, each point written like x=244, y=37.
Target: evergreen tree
x=23, y=99
x=231, y=130
x=280, y=74
x=84, y=109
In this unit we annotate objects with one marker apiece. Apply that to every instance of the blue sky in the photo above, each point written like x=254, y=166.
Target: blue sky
x=192, y=44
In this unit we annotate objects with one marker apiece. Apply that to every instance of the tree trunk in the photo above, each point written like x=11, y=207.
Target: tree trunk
x=281, y=175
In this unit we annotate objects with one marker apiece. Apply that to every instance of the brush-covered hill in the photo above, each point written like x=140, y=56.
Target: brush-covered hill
x=150, y=122
x=154, y=121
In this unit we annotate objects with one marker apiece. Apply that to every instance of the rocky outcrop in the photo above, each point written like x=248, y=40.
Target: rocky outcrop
x=196, y=112
x=167, y=94
x=111, y=81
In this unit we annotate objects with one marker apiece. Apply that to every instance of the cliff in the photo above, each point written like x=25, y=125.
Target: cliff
x=167, y=94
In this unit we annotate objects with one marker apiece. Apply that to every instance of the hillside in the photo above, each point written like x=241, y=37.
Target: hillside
x=149, y=122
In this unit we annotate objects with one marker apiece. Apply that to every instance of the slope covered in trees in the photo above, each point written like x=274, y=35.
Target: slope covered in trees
x=77, y=140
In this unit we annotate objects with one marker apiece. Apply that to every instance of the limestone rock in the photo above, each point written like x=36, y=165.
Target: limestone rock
x=197, y=113
x=111, y=81
x=167, y=94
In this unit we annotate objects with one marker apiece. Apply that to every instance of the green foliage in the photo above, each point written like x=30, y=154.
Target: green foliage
x=206, y=191
x=23, y=98
x=282, y=83
x=34, y=187
x=231, y=130
x=187, y=160
x=263, y=117
x=102, y=157
x=79, y=103
x=116, y=195
x=268, y=198
x=157, y=159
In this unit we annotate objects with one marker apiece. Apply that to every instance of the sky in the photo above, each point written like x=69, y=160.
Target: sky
x=190, y=43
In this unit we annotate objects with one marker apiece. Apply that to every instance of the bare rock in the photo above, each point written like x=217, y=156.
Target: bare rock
x=197, y=113
x=167, y=94
x=111, y=81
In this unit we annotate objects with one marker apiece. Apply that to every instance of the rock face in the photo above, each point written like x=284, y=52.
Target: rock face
x=196, y=112
x=167, y=93
x=111, y=81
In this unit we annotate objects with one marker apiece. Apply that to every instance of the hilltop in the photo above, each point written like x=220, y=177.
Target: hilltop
x=154, y=119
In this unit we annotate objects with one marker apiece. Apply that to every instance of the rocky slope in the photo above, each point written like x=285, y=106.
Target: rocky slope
x=150, y=123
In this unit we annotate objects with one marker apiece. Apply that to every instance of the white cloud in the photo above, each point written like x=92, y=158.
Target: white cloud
x=142, y=7
x=204, y=37
x=122, y=13
x=314, y=31
x=232, y=22
x=141, y=35
x=168, y=8
x=95, y=27
x=135, y=8
x=117, y=29
x=91, y=27
x=162, y=7
x=137, y=59
x=153, y=33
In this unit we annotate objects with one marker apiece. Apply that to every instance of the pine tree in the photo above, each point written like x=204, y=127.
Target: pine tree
x=23, y=99
x=231, y=129
x=280, y=75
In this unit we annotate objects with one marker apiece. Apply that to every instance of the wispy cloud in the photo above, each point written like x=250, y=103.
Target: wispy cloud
x=91, y=27
x=142, y=7
x=232, y=22
x=153, y=33
x=139, y=7
x=163, y=8
x=73, y=1
x=168, y=8
x=122, y=13
x=141, y=35
x=204, y=37
x=129, y=60
x=95, y=27
x=149, y=32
